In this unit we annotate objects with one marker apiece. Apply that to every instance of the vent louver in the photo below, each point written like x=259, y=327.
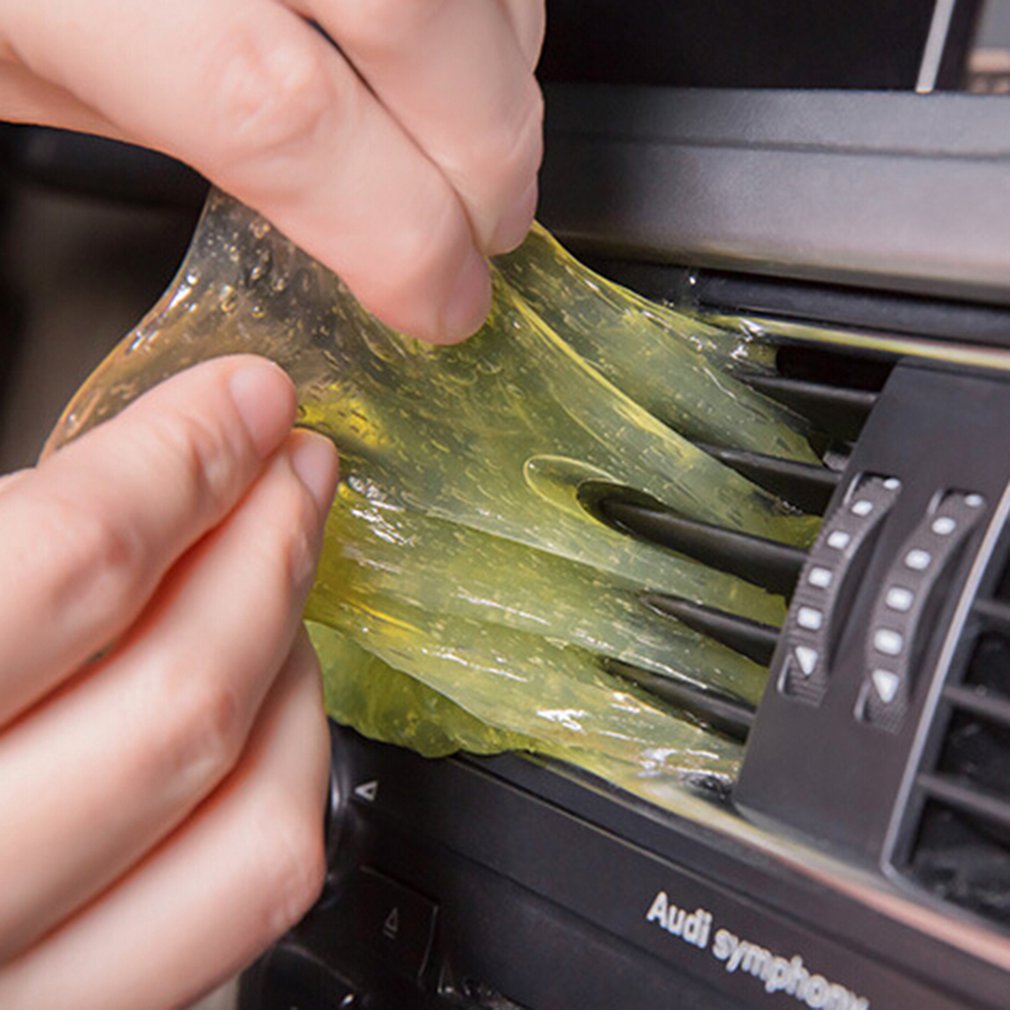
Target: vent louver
x=835, y=390
x=961, y=848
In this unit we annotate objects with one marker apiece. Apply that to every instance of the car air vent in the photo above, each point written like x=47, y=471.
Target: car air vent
x=960, y=850
x=835, y=390
x=836, y=409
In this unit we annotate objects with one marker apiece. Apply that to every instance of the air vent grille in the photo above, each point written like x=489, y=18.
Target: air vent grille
x=834, y=390
x=960, y=849
x=818, y=383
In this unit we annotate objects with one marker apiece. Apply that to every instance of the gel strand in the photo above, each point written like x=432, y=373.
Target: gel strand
x=682, y=370
x=467, y=596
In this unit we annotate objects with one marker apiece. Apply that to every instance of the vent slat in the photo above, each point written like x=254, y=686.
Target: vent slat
x=980, y=703
x=730, y=715
x=749, y=638
x=995, y=613
x=967, y=798
x=771, y=565
x=837, y=410
x=806, y=486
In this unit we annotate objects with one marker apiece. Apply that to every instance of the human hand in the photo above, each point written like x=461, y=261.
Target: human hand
x=399, y=159
x=163, y=749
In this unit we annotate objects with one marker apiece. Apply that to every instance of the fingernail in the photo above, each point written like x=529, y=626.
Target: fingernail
x=515, y=223
x=469, y=301
x=265, y=400
x=314, y=459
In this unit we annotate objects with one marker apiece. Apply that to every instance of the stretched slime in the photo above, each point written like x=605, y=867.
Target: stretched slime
x=467, y=596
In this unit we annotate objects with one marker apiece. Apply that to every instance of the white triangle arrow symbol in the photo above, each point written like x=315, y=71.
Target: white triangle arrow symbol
x=391, y=926
x=886, y=684
x=367, y=790
x=807, y=658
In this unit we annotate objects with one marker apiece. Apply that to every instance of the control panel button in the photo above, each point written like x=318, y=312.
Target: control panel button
x=888, y=641
x=886, y=683
x=899, y=598
x=837, y=555
x=806, y=658
x=943, y=526
x=393, y=920
x=810, y=618
x=898, y=611
x=838, y=540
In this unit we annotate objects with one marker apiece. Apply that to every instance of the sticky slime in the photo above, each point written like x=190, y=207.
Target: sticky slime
x=467, y=597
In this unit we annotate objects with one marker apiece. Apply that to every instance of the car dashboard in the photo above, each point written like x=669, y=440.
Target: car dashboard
x=862, y=858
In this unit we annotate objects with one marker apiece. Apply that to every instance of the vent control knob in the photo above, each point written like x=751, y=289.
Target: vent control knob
x=900, y=619
x=826, y=584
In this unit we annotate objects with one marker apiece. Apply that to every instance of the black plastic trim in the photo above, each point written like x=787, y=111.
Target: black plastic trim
x=985, y=706
x=804, y=485
x=967, y=797
x=773, y=566
x=731, y=716
x=750, y=638
x=841, y=412
x=883, y=190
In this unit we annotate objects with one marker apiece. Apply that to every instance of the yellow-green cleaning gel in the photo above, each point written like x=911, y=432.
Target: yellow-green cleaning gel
x=467, y=597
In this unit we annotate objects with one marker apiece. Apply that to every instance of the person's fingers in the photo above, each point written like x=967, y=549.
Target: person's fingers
x=154, y=727
x=261, y=103
x=453, y=74
x=243, y=869
x=8, y=480
x=87, y=535
x=26, y=98
x=529, y=20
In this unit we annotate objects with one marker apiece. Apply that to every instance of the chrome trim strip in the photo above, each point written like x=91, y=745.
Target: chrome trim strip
x=932, y=52
x=771, y=327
